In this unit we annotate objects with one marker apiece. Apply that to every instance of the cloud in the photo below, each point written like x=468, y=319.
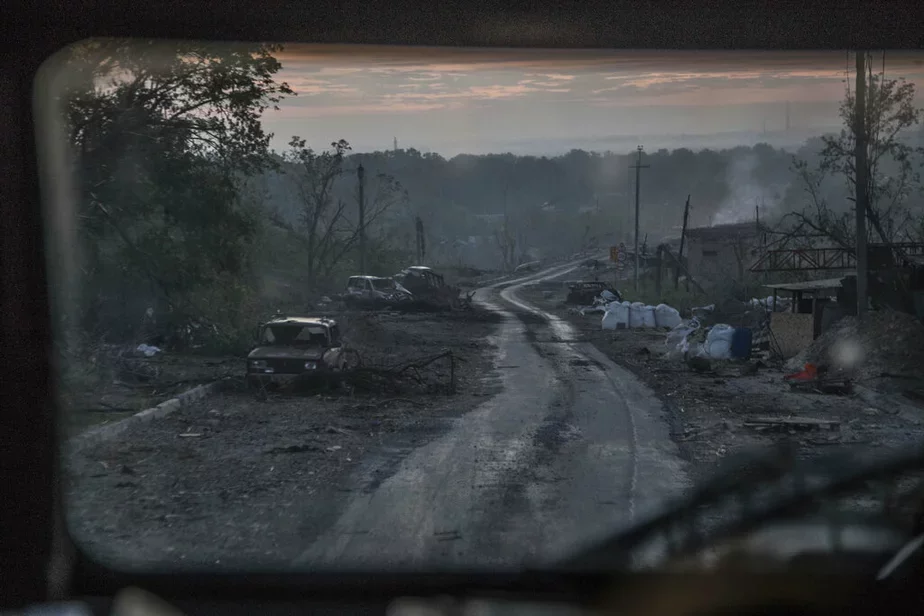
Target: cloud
x=559, y=91
x=319, y=111
x=360, y=75
x=568, y=62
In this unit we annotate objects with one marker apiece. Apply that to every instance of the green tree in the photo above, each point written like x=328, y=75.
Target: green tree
x=165, y=137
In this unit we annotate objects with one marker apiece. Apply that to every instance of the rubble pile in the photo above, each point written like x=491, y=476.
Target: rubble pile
x=889, y=343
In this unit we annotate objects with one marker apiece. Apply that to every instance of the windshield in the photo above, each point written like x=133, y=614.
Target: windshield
x=639, y=265
x=295, y=335
x=384, y=284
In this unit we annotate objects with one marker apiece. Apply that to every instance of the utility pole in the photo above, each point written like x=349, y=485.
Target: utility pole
x=683, y=237
x=638, y=166
x=421, y=250
x=360, y=173
x=860, y=191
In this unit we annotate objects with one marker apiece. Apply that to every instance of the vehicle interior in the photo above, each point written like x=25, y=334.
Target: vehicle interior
x=783, y=545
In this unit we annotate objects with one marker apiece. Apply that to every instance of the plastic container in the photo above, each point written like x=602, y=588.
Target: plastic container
x=741, y=343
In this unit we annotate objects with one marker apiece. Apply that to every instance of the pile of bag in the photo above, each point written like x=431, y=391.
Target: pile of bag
x=636, y=315
x=720, y=341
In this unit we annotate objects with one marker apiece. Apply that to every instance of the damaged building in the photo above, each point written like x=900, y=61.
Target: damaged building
x=721, y=252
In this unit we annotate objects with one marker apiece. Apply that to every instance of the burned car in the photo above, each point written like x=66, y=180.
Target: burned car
x=374, y=291
x=583, y=293
x=292, y=347
x=430, y=291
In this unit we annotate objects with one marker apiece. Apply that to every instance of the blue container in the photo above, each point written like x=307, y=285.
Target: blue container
x=741, y=343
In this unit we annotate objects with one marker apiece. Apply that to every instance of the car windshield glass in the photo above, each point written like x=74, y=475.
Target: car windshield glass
x=295, y=335
x=383, y=284
x=635, y=265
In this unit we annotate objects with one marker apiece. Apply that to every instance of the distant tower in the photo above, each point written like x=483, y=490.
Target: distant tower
x=788, y=125
x=396, y=144
x=763, y=129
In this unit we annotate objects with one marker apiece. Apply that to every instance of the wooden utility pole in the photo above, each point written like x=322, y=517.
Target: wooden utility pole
x=861, y=178
x=360, y=174
x=683, y=237
x=658, y=277
x=421, y=250
x=638, y=166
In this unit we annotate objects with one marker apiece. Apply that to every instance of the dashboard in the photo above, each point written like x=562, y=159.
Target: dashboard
x=787, y=568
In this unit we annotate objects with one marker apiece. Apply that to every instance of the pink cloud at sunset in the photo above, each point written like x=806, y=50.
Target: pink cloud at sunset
x=427, y=96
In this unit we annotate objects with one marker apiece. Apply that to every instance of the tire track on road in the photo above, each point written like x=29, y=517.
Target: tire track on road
x=568, y=355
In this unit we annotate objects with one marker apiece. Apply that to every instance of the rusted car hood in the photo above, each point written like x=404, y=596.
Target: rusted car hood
x=273, y=352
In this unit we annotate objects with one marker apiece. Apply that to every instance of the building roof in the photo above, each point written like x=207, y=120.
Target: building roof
x=717, y=232
x=809, y=285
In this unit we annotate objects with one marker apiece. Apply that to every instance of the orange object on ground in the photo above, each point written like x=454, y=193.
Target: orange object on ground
x=809, y=373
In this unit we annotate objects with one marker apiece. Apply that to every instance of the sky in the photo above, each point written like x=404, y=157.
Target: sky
x=452, y=101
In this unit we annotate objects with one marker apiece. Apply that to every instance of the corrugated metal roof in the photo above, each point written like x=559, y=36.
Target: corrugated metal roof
x=808, y=285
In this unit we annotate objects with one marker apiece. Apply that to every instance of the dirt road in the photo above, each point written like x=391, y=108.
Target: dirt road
x=572, y=448
x=549, y=445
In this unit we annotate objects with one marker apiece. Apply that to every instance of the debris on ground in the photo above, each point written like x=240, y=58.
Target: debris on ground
x=588, y=292
x=886, y=351
x=295, y=444
x=749, y=397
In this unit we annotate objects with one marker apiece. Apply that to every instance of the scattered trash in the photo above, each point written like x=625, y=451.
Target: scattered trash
x=585, y=293
x=148, y=350
x=808, y=373
x=702, y=311
x=782, y=303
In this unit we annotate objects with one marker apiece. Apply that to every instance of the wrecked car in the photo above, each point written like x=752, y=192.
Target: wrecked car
x=419, y=279
x=374, y=290
x=292, y=347
x=430, y=291
x=584, y=293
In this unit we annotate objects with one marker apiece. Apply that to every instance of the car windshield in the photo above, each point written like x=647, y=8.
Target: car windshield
x=296, y=335
x=384, y=284
x=635, y=266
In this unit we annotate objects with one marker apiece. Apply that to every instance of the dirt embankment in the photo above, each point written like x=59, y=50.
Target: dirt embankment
x=260, y=478
x=736, y=406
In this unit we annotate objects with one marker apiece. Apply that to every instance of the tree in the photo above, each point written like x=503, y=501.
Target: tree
x=329, y=229
x=165, y=137
x=893, y=175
